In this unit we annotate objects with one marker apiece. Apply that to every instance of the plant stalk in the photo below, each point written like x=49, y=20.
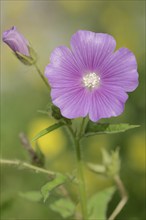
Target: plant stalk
x=82, y=188
x=124, y=197
x=42, y=76
x=21, y=164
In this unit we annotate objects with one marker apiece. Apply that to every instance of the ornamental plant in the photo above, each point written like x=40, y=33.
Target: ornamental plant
x=91, y=81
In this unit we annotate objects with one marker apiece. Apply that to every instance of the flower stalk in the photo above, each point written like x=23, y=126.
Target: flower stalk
x=41, y=75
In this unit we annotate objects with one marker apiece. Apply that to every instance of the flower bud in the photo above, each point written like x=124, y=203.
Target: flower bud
x=112, y=162
x=110, y=166
x=19, y=45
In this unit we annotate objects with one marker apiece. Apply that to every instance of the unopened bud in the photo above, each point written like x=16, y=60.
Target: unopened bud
x=112, y=162
x=20, y=46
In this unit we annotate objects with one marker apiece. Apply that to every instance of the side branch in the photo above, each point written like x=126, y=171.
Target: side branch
x=21, y=164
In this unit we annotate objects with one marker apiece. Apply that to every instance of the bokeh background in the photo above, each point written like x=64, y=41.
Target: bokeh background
x=47, y=24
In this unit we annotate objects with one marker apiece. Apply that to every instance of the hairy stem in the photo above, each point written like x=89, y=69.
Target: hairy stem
x=124, y=198
x=82, y=128
x=82, y=189
x=21, y=164
x=42, y=76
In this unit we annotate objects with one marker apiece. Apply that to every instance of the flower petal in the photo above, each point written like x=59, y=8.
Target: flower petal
x=62, y=72
x=120, y=70
x=16, y=41
x=107, y=102
x=73, y=102
x=90, y=49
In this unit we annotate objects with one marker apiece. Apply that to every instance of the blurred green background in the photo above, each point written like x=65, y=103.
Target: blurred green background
x=48, y=24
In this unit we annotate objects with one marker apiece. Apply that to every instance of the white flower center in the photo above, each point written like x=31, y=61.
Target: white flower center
x=91, y=80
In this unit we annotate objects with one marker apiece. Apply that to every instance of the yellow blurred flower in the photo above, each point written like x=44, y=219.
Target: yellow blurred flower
x=51, y=144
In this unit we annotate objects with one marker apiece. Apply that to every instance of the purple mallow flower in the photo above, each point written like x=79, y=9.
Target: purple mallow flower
x=91, y=79
x=16, y=41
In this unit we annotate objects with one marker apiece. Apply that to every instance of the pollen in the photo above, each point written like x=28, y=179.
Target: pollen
x=91, y=80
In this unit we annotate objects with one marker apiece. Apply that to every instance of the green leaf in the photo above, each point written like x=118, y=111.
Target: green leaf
x=106, y=128
x=48, y=187
x=47, y=130
x=65, y=207
x=97, y=205
x=34, y=196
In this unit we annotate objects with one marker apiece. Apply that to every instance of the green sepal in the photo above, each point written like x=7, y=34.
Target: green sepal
x=57, y=114
x=27, y=60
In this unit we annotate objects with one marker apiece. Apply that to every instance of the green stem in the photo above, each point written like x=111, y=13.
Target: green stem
x=82, y=189
x=82, y=128
x=42, y=76
x=124, y=197
x=22, y=164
